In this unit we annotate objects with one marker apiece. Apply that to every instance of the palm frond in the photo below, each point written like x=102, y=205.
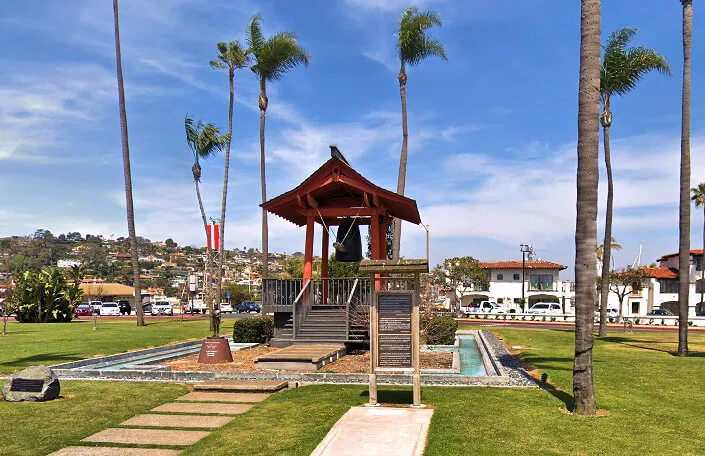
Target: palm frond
x=698, y=195
x=230, y=56
x=204, y=140
x=413, y=45
x=278, y=55
x=255, y=39
x=623, y=68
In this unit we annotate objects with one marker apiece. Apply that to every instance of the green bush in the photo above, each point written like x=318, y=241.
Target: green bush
x=438, y=329
x=259, y=330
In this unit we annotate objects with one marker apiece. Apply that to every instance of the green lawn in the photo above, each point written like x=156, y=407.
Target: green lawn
x=84, y=408
x=653, y=399
x=52, y=343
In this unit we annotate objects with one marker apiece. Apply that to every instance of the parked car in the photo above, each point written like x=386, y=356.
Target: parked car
x=611, y=313
x=109, y=308
x=545, y=308
x=147, y=307
x=197, y=306
x=659, y=313
x=248, y=306
x=83, y=310
x=125, y=307
x=95, y=307
x=483, y=307
x=162, y=308
x=226, y=307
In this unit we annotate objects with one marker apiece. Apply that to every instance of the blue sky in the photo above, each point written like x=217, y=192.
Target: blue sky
x=492, y=130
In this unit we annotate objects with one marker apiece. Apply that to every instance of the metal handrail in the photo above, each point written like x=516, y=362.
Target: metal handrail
x=294, y=319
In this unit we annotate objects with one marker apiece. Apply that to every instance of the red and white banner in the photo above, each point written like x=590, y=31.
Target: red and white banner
x=213, y=236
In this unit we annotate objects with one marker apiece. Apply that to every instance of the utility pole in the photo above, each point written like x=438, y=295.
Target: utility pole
x=525, y=248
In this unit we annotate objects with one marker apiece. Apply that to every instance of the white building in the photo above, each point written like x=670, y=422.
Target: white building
x=68, y=263
x=540, y=283
x=661, y=289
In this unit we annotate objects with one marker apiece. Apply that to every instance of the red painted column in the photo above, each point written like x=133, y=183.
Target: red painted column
x=374, y=239
x=308, y=251
x=383, y=240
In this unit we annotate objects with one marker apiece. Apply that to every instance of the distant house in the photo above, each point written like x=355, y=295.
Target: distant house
x=68, y=263
x=541, y=283
x=177, y=258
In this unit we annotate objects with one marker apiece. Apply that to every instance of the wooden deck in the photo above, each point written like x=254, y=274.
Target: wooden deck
x=301, y=357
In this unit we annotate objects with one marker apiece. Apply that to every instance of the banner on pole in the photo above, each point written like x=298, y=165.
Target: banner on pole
x=213, y=232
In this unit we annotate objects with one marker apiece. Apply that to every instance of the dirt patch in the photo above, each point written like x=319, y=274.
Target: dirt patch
x=355, y=362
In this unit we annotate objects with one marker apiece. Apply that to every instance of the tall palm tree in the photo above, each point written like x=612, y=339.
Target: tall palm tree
x=128, y=174
x=205, y=141
x=413, y=46
x=699, y=200
x=684, y=210
x=614, y=246
x=622, y=69
x=586, y=206
x=231, y=56
x=273, y=57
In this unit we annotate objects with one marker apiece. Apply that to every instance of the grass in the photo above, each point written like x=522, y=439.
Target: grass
x=53, y=343
x=653, y=402
x=84, y=408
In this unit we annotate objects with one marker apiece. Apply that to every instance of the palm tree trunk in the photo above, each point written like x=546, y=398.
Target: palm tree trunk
x=401, y=181
x=263, y=102
x=586, y=206
x=607, y=243
x=206, y=281
x=221, y=247
x=684, y=219
x=128, y=174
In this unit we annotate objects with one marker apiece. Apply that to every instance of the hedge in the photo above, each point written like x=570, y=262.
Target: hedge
x=439, y=329
x=258, y=329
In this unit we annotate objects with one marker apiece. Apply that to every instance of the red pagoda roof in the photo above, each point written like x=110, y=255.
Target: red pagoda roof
x=334, y=186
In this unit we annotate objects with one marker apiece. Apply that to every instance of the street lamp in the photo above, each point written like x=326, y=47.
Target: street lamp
x=525, y=248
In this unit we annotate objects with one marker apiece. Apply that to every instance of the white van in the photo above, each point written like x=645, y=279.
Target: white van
x=483, y=307
x=546, y=308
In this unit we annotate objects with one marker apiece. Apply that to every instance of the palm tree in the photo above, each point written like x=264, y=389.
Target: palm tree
x=684, y=209
x=614, y=245
x=128, y=174
x=586, y=218
x=230, y=57
x=413, y=46
x=273, y=57
x=622, y=69
x=204, y=140
x=699, y=200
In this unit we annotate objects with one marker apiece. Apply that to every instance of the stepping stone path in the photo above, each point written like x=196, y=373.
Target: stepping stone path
x=213, y=405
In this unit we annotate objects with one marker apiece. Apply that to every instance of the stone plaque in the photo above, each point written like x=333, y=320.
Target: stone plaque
x=26, y=385
x=215, y=350
x=395, y=313
x=394, y=350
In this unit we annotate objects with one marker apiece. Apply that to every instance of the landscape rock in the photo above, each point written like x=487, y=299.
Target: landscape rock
x=25, y=386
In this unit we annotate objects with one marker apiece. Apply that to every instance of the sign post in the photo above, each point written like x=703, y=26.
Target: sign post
x=394, y=321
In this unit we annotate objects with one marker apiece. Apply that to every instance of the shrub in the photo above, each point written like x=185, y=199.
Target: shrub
x=259, y=330
x=438, y=329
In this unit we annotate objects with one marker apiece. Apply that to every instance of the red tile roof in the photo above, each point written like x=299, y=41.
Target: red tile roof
x=692, y=252
x=661, y=273
x=517, y=265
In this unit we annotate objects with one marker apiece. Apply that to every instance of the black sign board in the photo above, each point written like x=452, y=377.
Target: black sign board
x=395, y=313
x=25, y=385
x=394, y=350
x=394, y=330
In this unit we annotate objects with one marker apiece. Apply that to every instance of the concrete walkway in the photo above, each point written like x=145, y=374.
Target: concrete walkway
x=164, y=425
x=377, y=431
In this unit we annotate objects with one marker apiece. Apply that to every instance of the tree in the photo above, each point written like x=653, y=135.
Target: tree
x=389, y=235
x=205, y=141
x=342, y=268
x=460, y=273
x=586, y=206
x=238, y=293
x=230, y=57
x=128, y=173
x=413, y=46
x=621, y=71
x=625, y=281
x=684, y=206
x=699, y=200
x=614, y=245
x=169, y=243
x=273, y=57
